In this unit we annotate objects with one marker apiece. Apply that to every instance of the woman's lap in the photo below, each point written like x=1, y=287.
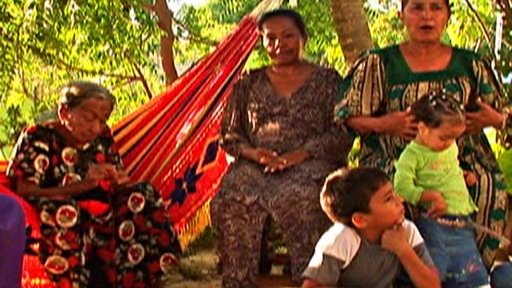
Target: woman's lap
x=293, y=204
x=137, y=237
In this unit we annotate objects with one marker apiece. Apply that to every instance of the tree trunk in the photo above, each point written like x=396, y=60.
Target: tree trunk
x=352, y=27
x=165, y=20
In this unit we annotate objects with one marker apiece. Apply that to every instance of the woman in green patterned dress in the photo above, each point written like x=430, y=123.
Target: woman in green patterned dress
x=384, y=83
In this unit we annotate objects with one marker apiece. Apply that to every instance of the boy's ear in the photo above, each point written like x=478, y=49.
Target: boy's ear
x=359, y=220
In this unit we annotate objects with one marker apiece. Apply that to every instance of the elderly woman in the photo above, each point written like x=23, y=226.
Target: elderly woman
x=278, y=126
x=385, y=82
x=71, y=172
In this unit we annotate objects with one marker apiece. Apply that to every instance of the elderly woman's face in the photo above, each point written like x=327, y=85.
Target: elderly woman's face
x=88, y=120
x=425, y=20
x=282, y=40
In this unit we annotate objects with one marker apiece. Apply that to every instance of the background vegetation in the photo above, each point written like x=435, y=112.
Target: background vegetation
x=46, y=43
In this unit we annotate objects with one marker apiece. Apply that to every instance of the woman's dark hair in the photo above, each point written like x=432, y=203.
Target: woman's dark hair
x=346, y=192
x=405, y=2
x=75, y=93
x=447, y=2
x=432, y=109
x=291, y=14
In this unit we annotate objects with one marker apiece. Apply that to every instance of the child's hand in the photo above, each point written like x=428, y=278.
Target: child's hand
x=438, y=206
x=470, y=178
x=437, y=203
x=395, y=240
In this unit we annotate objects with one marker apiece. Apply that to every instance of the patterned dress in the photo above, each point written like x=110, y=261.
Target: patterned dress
x=127, y=229
x=258, y=116
x=381, y=82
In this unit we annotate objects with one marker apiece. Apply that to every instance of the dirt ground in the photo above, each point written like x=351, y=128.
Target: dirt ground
x=196, y=271
x=198, y=267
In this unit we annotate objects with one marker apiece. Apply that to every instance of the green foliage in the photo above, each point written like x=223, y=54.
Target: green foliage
x=117, y=43
x=215, y=19
x=48, y=43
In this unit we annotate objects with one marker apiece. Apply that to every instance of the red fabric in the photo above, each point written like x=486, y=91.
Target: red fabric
x=166, y=141
x=172, y=141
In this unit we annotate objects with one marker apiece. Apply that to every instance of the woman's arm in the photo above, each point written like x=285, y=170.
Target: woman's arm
x=234, y=130
x=94, y=175
x=26, y=189
x=396, y=123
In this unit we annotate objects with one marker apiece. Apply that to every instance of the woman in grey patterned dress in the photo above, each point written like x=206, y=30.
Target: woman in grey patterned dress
x=278, y=126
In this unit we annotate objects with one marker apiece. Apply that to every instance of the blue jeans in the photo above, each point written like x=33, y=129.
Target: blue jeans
x=501, y=276
x=454, y=252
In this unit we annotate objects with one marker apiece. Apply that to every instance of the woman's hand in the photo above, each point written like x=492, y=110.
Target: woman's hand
x=399, y=124
x=122, y=178
x=287, y=160
x=486, y=116
x=98, y=172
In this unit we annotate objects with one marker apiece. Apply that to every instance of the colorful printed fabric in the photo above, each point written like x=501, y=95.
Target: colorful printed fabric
x=381, y=82
x=258, y=116
x=131, y=235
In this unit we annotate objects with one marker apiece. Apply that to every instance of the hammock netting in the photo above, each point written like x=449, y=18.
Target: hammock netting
x=173, y=140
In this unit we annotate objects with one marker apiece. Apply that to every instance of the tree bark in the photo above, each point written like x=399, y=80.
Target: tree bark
x=165, y=20
x=352, y=27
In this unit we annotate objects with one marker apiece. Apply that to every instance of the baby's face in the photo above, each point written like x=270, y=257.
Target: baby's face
x=442, y=137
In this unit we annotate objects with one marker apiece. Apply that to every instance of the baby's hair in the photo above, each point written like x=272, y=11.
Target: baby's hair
x=347, y=191
x=435, y=107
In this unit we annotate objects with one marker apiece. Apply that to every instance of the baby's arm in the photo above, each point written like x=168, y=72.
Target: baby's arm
x=406, y=186
x=420, y=273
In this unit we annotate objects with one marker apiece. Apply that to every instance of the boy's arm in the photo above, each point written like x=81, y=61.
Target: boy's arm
x=333, y=252
x=421, y=274
x=421, y=271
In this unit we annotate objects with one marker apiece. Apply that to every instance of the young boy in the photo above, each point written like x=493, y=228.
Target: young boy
x=370, y=239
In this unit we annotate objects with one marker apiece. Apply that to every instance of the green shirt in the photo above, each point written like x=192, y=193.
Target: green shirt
x=420, y=168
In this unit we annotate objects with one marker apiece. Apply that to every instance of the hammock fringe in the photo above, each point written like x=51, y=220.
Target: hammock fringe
x=195, y=226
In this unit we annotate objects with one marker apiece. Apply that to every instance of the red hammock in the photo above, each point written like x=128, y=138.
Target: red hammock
x=172, y=141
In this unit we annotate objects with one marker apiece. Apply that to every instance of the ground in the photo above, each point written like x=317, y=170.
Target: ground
x=195, y=271
x=198, y=267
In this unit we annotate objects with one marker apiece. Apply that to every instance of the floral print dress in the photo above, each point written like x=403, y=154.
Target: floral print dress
x=258, y=116
x=128, y=228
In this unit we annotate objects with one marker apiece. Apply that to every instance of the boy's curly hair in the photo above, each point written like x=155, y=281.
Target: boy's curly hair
x=347, y=191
